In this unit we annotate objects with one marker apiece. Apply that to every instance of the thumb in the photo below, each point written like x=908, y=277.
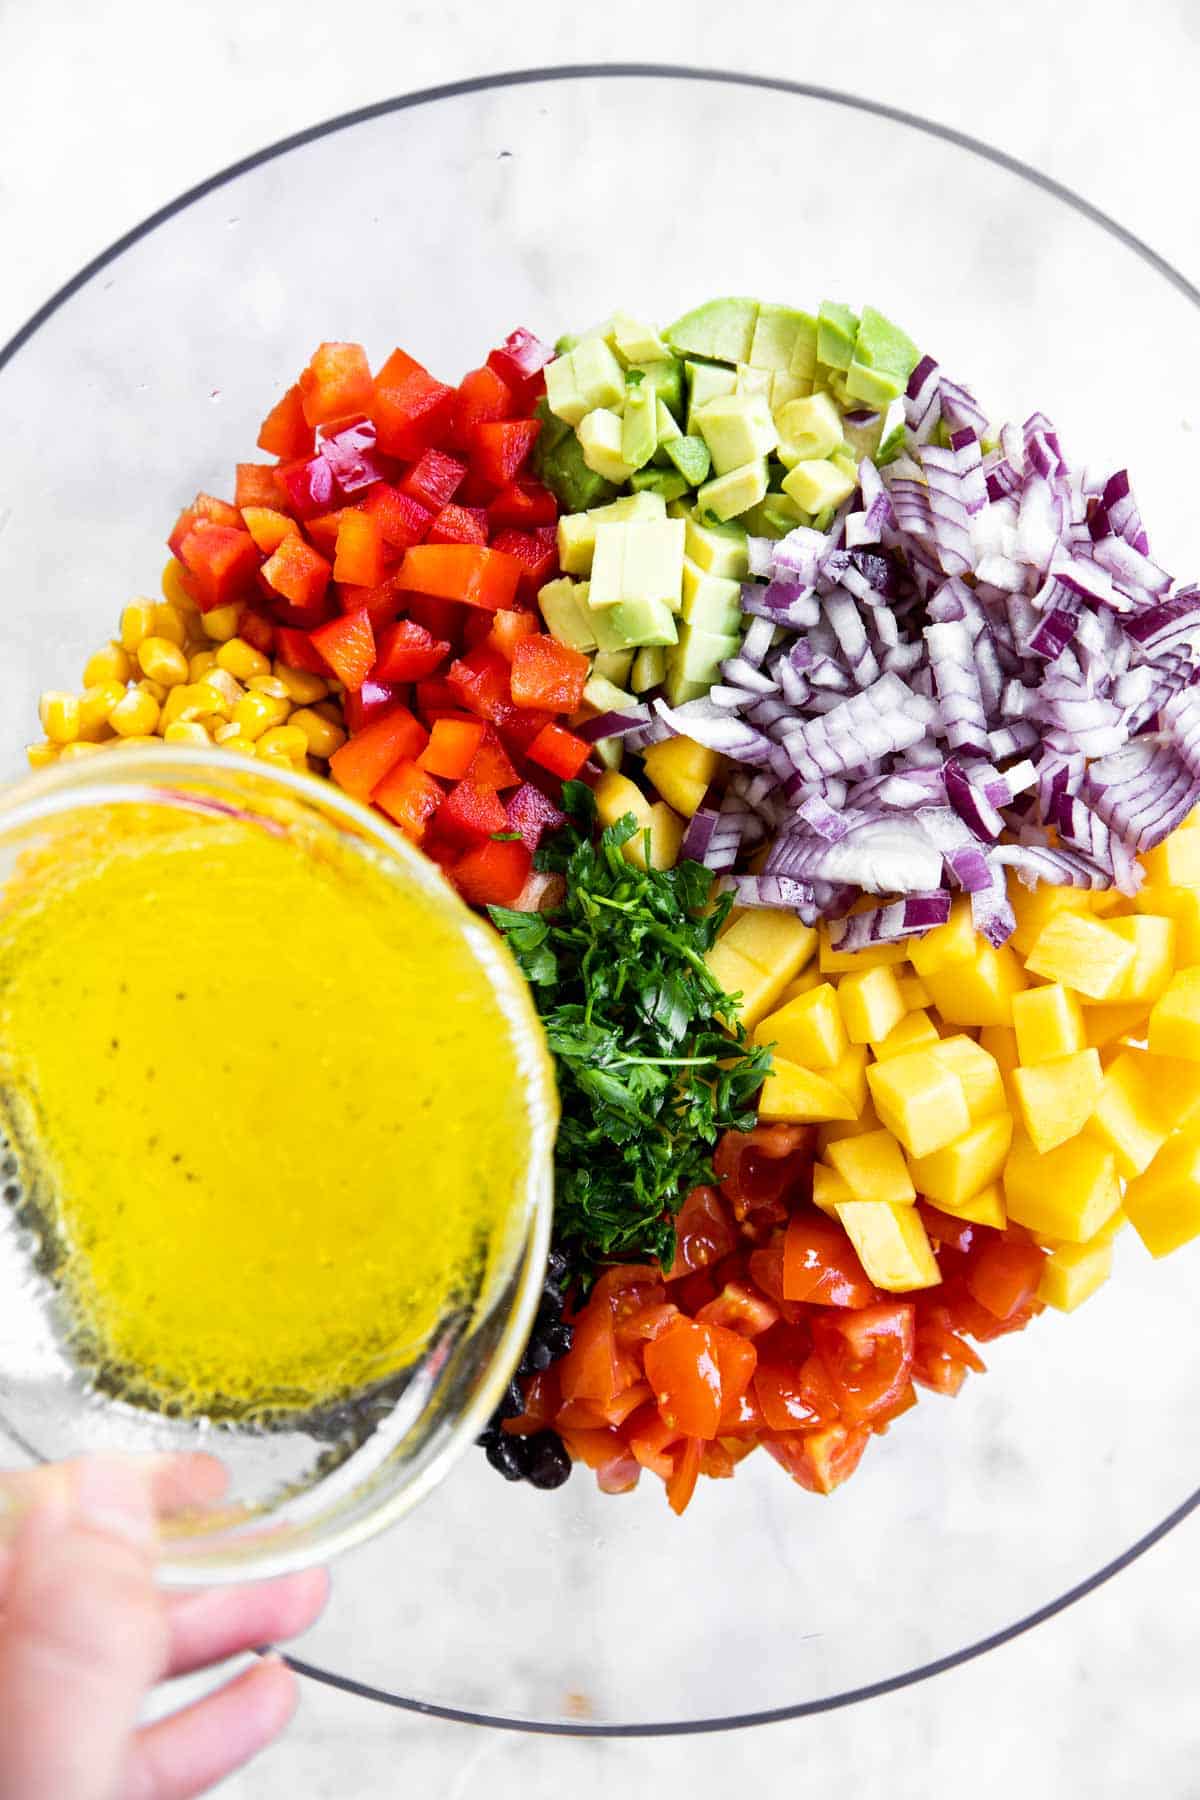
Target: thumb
x=83, y=1634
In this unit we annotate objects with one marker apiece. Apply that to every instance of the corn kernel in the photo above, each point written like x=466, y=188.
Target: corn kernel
x=170, y=623
x=873, y=1168
x=162, y=661
x=220, y=688
x=242, y=659
x=110, y=664
x=137, y=622
x=221, y=623
x=225, y=731
x=241, y=745
x=186, y=731
x=256, y=713
x=70, y=752
x=1048, y=1022
x=94, y=708
x=807, y=1030
x=156, y=689
x=329, y=709
x=302, y=686
x=201, y=663
x=269, y=685
x=287, y=741
x=135, y=714
x=322, y=736
x=183, y=705
x=172, y=586
x=40, y=756
x=59, y=715
x=871, y=1004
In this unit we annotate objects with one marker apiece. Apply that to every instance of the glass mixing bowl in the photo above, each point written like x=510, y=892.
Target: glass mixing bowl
x=439, y=221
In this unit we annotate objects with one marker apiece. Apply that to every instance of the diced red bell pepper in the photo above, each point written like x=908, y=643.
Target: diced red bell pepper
x=350, y=453
x=298, y=572
x=492, y=874
x=537, y=553
x=434, y=479
x=480, y=682
x=498, y=450
x=336, y=383
x=451, y=747
x=548, y=674
x=285, y=432
x=322, y=531
x=382, y=602
x=348, y=646
x=205, y=509
x=490, y=765
x=411, y=410
x=520, y=358
x=473, y=573
x=309, y=486
x=473, y=811
x=530, y=813
x=220, y=564
x=459, y=525
x=441, y=618
x=373, y=699
x=257, y=629
x=267, y=527
x=521, y=505
x=436, y=699
x=403, y=520
x=482, y=396
x=507, y=629
x=407, y=652
x=477, y=628
x=364, y=759
x=410, y=798
x=257, y=485
x=360, y=554
x=297, y=651
x=475, y=492
x=559, y=751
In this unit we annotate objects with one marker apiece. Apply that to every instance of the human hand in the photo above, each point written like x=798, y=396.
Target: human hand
x=85, y=1635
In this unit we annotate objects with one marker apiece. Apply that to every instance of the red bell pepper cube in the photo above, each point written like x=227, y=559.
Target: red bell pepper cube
x=309, y=486
x=350, y=455
x=410, y=797
x=381, y=602
x=322, y=531
x=492, y=874
x=559, y=751
x=336, y=383
x=482, y=396
x=257, y=630
x=520, y=357
x=220, y=564
x=257, y=485
x=205, y=509
x=481, y=684
x=436, y=699
x=523, y=724
x=490, y=765
x=410, y=408
x=477, y=628
x=469, y=572
x=403, y=520
x=531, y=814
x=296, y=650
x=521, y=505
x=472, y=812
x=498, y=450
x=364, y=759
x=452, y=746
x=476, y=492
x=373, y=699
x=548, y=674
x=507, y=630
x=359, y=557
x=285, y=432
x=537, y=553
x=441, y=618
x=267, y=527
x=298, y=572
x=459, y=525
x=348, y=646
x=407, y=652
x=434, y=479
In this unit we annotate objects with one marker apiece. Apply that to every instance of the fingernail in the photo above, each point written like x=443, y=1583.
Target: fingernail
x=113, y=1497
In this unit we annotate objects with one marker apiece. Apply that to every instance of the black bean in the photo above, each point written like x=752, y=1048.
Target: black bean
x=538, y=1355
x=509, y=1456
x=547, y=1462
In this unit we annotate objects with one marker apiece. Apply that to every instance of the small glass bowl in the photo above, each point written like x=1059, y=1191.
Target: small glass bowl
x=302, y=1491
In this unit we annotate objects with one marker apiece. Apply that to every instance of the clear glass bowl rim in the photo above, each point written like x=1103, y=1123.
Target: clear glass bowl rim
x=675, y=72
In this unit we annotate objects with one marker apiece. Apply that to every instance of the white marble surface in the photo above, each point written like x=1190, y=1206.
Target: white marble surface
x=103, y=119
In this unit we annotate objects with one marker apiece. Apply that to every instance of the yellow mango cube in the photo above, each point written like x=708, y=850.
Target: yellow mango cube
x=800, y=1096
x=979, y=1072
x=979, y=991
x=951, y=1176
x=1175, y=1017
x=776, y=941
x=806, y=979
x=757, y=991
x=1176, y=861
x=1000, y=1041
x=807, y=1030
x=1143, y=1100
x=946, y=945
x=915, y=1031
x=1107, y=1025
x=1068, y=1193
x=913, y=991
x=1153, y=940
x=849, y=1074
x=836, y=1129
x=616, y=795
x=682, y=771
x=829, y=1191
x=666, y=835
x=1163, y=1204
x=1081, y=953
x=871, y=1003
x=1035, y=907
x=892, y=1244
x=873, y=1168
x=984, y=1208
x=1056, y=1098
x=1048, y=1022
x=1072, y=1273
x=1181, y=904
x=842, y=962
x=919, y=1100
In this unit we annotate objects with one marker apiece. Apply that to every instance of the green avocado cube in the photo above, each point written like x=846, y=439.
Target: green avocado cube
x=884, y=358
x=721, y=330
x=891, y=434
x=563, y=395
x=837, y=328
x=636, y=343
x=785, y=387
x=754, y=381
x=612, y=665
x=808, y=429
x=705, y=383
x=691, y=457
x=862, y=435
x=665, y=424
x=576, y=543
x=738, y=429
x=634, y=622
x=653, y=566
x=608, y=565
x=564, y=607
x=649, y=668
x=803, y=364
x=599, y=377
x=561, y=466
x=609, y=752
x=630, y=506
x=816, y=485
x=718, y=549
x=639, y=427
x=605, y=696
x=734, y=492
x=774, y=517
x=713, y=602
x=777, y=330
x=694, y=664
x=665, y=379
x=565, y=343
x=600, y=439
x=669, y=484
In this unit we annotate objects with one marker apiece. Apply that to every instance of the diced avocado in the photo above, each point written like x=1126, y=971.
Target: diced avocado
x=774, y=517
x=669, y=484
x=705, y=383
x=649, y=669
x=603, y=695
x=694, y=664
x=884, y=358
x=639, y=427
x=776, y=333
x=712, y=602
x=679, y=689
x=690, y=456
x=630, y=506
x=600, y=438
x=786, y=387
x=816, y=484
x=738, y=429
x=561, y=466
x=804, y=350
x=577, y=531
x=862, y=434
x=608, y=565
x=666, y=379
x=665, y=424
x=637, y=559
x=564, y=608
x=808, y=429
x=633, y=622
x=722, y=330
x=553, y=429
x=609, y=751
x=718, y=549
x=613, y=665
x=837, y=328
x=754, y=381
x=842, y=459
x=565, y=343
x=598, y=375
x=891, y=437
x=635, y=342
x=563, y=395
x=735, y=492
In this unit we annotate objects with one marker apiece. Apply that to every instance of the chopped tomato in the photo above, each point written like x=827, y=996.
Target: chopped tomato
x=869, y=1357
x=704, y=1232
x=1004, y=1277
x=591, y=1415
x=947, y=1232
x=740, y=1307
x=650, y=1439
x=620, y=1474
x=736, y=1361
x=589, y=1369
x=548, y=674
x=285, y=432
x=820, y=1460
x=682, y=1368
x=787, y=1399
x=742, y=1416
x=336, y=383
x=597, y=1446
x=820, y=1263
x=543, y=1397
x=758, y=1170
x=681, y=1484
x=941, y=1358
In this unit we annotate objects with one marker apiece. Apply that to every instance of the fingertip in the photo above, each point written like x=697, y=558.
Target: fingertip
x=277, y=1694
x=191, y=1478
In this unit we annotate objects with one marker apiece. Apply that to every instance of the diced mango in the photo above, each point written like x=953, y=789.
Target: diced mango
x=982, y=1082
x=1000, y=1041
x=1175, y=1018
x=873, y=1167
x=1163, y=1204
x=837, y=1129
x=775, y=940
x=841, y=962
x=1068, y=1194
x=946, y=945
x=1083, y=954
x=871, y=1003
x=758, y=989
x=984, y=1208
x=913, y=991
x=807, y=1030
x=666, y=835
x=1153, y=939
x=1072, y=1273
x=799, y=1096
x=1035, y=907
x=616, y=795
x=806, y=979
x=1181, y=904
x=951, y=1176
x=915, y=1030
x=1048, y=1022
x=1176, y=861
x=919, y=1100
x=1056, y=1098
x=1143, y=1100
x=829, y=1191
x=682, y=771
x=849, y=1074
x=1108, y=1024
x=978, y=991
x=892, y=1245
